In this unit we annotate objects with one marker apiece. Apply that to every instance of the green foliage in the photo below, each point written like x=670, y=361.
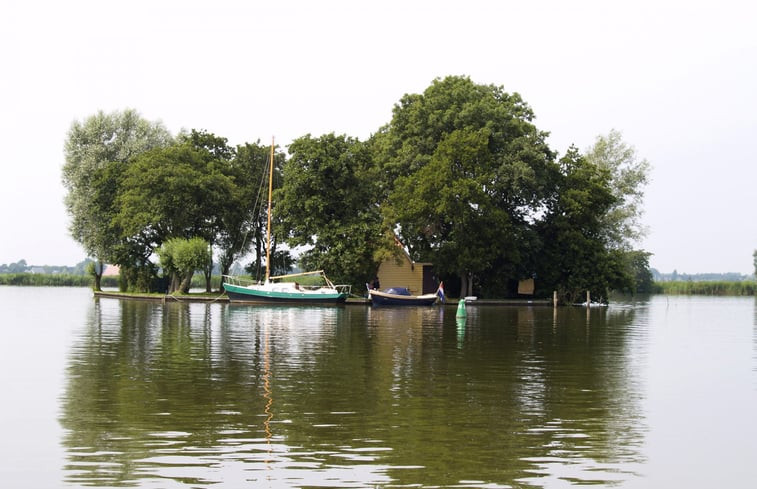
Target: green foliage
x=140, y=277
x=180, y=258
x=574, y=256
x=92, y=147
x=327, y=202
x=592, y=221
x=170, y=192
x=460, y=174
x=638, y=263
x=465, y=170
x=444, y=211
x=628, y=176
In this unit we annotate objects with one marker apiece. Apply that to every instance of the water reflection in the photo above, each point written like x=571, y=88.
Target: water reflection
x=201, y=395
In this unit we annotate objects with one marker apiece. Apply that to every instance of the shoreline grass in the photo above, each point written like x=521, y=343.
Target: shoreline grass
x=715, y=288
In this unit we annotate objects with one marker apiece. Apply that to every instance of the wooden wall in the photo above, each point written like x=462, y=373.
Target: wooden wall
x=404, y=274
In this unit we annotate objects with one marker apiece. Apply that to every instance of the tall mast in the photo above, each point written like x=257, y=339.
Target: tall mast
x=270, y=196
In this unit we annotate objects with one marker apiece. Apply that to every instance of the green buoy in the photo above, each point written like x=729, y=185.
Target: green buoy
x=461, y=312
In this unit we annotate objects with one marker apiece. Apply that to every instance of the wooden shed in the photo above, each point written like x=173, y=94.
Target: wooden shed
x=404, y=272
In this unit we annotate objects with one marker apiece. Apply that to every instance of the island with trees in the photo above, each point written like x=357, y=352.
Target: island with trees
x=460, y=175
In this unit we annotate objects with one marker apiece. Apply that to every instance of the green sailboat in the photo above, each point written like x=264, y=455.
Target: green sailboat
x=284, y=289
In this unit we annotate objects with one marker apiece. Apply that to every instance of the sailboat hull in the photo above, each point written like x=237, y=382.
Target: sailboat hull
x=262, y=295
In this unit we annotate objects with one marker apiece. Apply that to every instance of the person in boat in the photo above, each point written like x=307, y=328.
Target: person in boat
x=375, y=285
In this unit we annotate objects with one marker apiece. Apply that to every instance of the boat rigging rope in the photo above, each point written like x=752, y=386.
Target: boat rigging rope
x=256, y=207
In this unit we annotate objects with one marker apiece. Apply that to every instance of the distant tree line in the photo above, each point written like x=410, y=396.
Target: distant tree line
x=21, y=266
x=460, y=176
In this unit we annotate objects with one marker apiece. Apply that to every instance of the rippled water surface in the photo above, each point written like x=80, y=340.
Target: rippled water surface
x=110, y=393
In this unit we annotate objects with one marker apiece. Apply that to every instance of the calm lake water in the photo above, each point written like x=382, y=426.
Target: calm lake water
x=106, y=393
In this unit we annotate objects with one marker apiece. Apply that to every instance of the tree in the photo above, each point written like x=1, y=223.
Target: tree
x=638, y=263
x=465, y=172
x=19, y=267
x=628, y=176
x=173, y=192
x=327, y=204
x=754, y=255
x=244, y=224
x=229, y=211
x=574, y=256
x=180, y=258
x=90, y=147
x=445, y=213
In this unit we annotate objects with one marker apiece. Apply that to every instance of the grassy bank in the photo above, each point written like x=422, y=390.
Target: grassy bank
x=743, y=288
x=74, y=280
x=43, y=279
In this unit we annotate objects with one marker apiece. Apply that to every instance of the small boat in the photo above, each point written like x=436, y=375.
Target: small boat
x=401, y=296
x=283, y=289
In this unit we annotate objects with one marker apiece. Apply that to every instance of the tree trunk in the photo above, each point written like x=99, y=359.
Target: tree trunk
x=208, y=275
x=175, y=283
x=225, y=262
x=99, y=267
x=187, y=282
x=466, y=284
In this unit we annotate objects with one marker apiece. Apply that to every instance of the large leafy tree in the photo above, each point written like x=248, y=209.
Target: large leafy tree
x=91, y=146
x=228, y=214
x=239, y=218
x=173, y=192
x=445, y=213
x=327, y=204
x=200, y=187
x=628, y=175
x=465, y=172
x=575, y=256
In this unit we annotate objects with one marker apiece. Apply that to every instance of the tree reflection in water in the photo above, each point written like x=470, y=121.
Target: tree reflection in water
x=179, y=394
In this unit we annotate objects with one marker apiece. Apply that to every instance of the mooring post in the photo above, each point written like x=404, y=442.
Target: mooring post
x=588, y=298
x=554, y=298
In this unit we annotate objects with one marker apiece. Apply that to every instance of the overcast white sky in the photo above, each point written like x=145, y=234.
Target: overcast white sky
x=677, y=78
